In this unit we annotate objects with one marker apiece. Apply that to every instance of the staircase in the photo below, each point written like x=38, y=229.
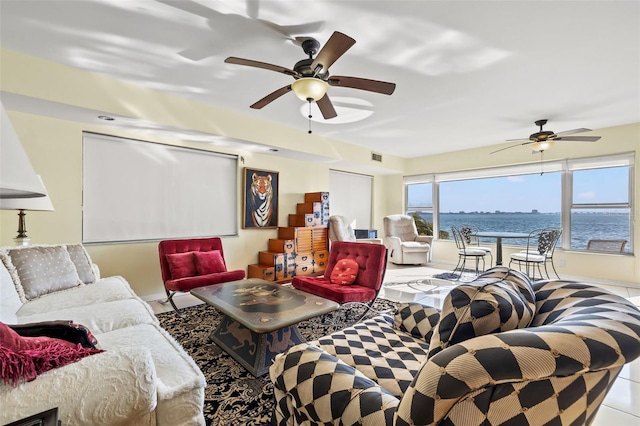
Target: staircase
x=302, y=247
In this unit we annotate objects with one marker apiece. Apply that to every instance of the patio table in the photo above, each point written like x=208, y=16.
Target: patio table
x=499, y=236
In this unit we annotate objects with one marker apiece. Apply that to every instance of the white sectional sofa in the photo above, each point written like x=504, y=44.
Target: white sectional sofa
x=143, y=377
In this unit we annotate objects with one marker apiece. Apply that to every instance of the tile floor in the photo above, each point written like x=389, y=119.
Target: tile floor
x=621, y=407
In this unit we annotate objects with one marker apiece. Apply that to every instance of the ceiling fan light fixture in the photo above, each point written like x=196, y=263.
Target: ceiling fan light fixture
x=307, y=88
x=542, y=145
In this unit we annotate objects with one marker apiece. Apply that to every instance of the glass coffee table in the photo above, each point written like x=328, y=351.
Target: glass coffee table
x=260, y=319
x=427, y=291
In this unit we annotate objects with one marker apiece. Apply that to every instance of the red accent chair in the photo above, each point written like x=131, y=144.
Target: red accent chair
x=180, y=283
x=372, y=263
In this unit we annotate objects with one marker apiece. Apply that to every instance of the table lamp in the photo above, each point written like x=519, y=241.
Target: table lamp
x=17, y=177
x=22, y=204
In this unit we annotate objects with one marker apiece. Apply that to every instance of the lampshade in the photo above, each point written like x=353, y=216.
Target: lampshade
x=542, y=145
x=37, y=203
x=309, y=88
x=17, y=177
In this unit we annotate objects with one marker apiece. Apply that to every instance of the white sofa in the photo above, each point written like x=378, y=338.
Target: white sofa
x=143, y=377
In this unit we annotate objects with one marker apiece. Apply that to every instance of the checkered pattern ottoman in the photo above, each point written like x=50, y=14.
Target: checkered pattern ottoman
x=555, y=371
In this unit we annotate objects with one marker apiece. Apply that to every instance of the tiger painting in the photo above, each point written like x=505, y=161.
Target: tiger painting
x=260, y=201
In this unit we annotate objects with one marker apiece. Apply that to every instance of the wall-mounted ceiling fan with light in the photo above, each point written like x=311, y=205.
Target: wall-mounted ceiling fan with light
x=311, y=75
x=544, y=139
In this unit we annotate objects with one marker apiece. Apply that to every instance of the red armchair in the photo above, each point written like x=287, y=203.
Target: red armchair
x=192, y=263
x=372, y=265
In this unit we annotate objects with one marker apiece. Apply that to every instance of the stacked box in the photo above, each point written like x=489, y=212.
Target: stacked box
x=263, y=272
x=323, y=199
x=282, y=246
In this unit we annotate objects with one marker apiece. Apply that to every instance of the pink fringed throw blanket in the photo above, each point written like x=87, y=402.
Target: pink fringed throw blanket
x=23, y=358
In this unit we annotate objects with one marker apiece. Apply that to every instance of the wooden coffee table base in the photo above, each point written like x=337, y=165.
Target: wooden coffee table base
x=254, y=351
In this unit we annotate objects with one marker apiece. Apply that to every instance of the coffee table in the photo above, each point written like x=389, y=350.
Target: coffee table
x=260, y=319
x=428, y=291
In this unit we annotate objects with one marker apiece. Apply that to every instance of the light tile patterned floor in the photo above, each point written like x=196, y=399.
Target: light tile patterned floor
x=621, y=407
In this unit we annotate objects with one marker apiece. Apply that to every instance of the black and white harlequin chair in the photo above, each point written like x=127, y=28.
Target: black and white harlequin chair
x=502, y=351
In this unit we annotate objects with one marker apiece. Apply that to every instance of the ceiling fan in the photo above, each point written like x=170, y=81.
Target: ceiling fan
x=544, y=139
x=312, y=77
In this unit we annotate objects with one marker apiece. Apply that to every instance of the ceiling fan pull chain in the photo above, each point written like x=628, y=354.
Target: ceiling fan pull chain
x=309, y=100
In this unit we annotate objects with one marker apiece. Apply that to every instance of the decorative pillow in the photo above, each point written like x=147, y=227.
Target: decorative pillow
x=82, y=262
x=209, y=262
x=23, y=358
x=484, y=306
x=344, y=272
x=42, y=269
x=416, y=319
x=181, y=265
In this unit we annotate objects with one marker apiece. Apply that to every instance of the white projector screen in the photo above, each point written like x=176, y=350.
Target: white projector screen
x=136, y=191
x=350, y=196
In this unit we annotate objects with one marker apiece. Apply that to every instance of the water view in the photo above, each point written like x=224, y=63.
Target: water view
x=584, y=226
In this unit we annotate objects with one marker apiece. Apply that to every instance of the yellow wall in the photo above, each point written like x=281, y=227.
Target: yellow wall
x=55, y=149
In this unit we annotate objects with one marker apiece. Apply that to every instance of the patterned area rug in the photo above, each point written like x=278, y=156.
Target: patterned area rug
x=233, y=396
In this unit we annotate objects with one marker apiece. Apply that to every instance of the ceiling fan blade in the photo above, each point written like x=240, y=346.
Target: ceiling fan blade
x=258, y=64
x=579, y=138
x=571, y=132
x=362, y=84
x=335, y=47
x=511, y=146
x=326, y=107
x=271, y=97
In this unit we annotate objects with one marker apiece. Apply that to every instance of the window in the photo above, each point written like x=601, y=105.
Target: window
x=600, y=208
x=589, y=198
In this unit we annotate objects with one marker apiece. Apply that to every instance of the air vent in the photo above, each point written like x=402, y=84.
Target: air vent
x=376, y=157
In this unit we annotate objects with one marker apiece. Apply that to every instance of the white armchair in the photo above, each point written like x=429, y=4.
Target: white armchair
x=403, y=243
x=340, y=230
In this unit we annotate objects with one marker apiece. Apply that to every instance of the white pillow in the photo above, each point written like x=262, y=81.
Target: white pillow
x=40, y=270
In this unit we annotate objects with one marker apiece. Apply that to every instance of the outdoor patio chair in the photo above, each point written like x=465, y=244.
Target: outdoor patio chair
x=541, y=245
x=472, y=241
x=464, y=252
x=610, y=246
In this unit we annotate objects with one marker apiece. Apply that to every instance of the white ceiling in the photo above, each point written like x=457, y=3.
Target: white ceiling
x=468, y=73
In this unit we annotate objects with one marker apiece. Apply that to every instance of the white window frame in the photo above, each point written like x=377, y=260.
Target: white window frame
x=566, y=167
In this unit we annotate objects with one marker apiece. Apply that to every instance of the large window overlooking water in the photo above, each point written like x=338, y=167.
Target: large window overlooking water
x=597, y=201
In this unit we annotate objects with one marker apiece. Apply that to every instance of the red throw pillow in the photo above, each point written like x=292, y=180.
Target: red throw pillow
x=181, y=265
x=23, y=358
x=209, y=262
x=345, y=272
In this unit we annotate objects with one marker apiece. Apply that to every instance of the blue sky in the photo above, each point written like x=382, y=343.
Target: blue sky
x=527, y=192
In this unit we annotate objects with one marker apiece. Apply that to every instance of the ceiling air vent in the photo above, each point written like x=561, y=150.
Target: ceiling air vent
x=376, y=157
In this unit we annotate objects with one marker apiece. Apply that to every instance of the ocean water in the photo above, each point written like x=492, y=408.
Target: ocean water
x=584, y=226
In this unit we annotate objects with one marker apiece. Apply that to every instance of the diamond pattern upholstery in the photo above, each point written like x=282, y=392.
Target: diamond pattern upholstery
x=556, y=371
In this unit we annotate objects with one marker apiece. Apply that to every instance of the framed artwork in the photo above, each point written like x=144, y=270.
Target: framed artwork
x=260, y=199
